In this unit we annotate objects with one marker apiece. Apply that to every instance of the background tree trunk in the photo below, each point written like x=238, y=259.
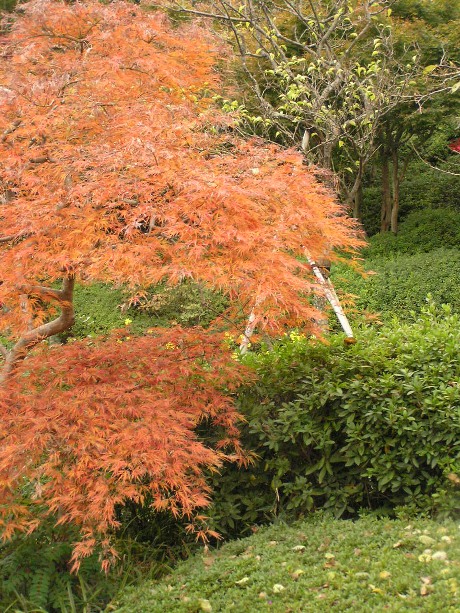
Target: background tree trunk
x=385, y=215
x=396, y=182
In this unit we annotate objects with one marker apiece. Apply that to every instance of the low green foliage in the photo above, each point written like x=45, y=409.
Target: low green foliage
x=424, y=187
x=401, y=285
x=318, y=565
x=422, y=231
x=7, y=5
x=35, y=575
x=98, y=308
x=188, y=304
x=35, y=572
x=373, y=425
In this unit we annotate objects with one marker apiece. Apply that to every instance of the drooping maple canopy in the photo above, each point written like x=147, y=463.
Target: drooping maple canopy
x=116, y=166
x=114, y=421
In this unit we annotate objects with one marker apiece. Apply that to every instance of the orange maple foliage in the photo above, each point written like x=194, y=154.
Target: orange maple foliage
x=116, y=166
x=114, y=421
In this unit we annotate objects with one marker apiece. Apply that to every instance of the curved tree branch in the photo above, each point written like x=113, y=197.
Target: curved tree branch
x=34, y=336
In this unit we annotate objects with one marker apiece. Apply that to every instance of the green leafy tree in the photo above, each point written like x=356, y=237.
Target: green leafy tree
x=321, y=76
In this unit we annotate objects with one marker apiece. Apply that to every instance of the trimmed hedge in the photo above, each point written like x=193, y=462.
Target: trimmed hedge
x=373, y=425
x=422, y=231
x=402, y=284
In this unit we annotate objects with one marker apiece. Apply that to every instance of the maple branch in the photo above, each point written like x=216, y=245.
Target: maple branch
x=25, y=308
x=14, y=126
x=59, y=295
x=32, y=337
x=7, y=239
x=12, y=237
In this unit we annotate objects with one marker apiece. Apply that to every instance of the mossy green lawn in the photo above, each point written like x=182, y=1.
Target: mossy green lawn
x=318, y=565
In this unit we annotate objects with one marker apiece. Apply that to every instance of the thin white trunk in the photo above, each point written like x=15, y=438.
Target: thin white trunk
x=249, y=331
x=332, y=297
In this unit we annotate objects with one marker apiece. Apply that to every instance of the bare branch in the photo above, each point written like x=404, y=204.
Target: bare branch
x=446, y=172
x=220, y=17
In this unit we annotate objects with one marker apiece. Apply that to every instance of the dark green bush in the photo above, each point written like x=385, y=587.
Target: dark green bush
x=374, y=425
x=423, y=188
x=421, y=231
x=35, y=569
x=402, y=284
x=35, y=575
x=7, y=5
x=370, y=209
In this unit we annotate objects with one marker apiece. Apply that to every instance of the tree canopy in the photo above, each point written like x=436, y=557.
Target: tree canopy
x=116, y=166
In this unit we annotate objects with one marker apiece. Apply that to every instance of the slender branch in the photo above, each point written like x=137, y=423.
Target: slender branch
x=59, y=295
x=12, y=237
x=25, y=308
x=447, y=172
x=14, y=126
x=7, y=239
x=182, y=9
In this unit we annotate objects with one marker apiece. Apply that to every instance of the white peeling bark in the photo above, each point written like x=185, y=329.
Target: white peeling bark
x=333, y=299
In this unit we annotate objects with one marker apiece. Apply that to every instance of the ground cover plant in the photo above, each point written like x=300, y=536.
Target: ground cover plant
x=320, y=564
x=101, y=308
x=421, y=260
x=128, y=201
x=422, y=231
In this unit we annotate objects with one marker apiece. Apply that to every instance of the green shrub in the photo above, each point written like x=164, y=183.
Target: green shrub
x=317, y=565
x=372, y=425
x=189, y=304
x=402, y=283
x=7, y=5
x=421, y=231
x=423, y=188
x=370, y=209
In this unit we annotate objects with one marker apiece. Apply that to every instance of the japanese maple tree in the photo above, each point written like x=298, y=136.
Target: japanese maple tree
x=116, y=166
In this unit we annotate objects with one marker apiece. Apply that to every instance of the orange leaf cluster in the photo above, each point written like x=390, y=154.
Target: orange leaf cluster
x=104, y=430
x=116, y=165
